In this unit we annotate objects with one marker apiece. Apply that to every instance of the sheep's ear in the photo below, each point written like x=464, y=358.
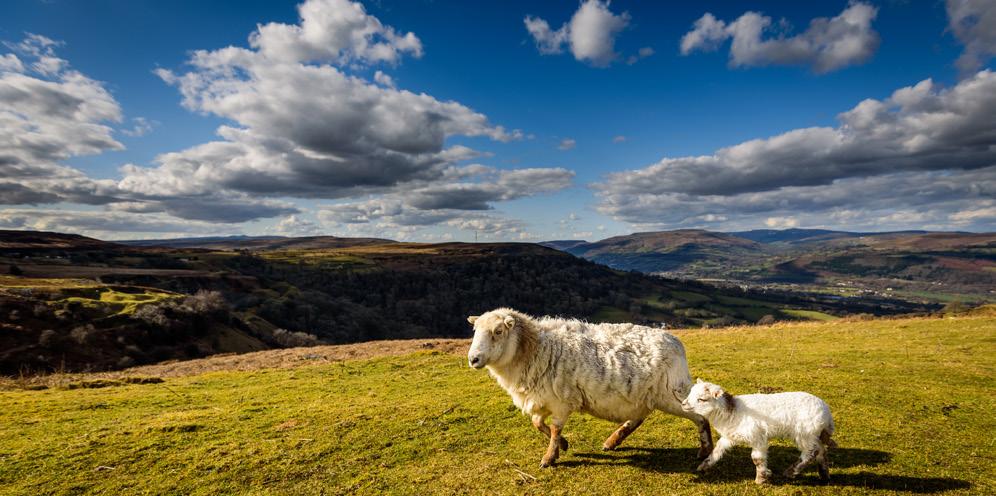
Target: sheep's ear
x=698, y=380
x=716, y=393
x=509, y=321
x=472, y=319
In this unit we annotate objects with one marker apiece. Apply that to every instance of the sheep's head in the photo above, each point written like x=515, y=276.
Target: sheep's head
x=706, y=398
x=494, y=338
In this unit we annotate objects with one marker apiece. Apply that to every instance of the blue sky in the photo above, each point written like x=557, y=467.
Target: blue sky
x=596, y=137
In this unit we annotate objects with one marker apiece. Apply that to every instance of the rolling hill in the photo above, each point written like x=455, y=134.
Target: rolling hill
x=101, y=305
x=916, y=265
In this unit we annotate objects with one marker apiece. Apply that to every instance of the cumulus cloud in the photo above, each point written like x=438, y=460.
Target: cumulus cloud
x=926, y=149
x=590, y=34
x=140, y=127
x=50, y=113
x=828, y=44
x=295, y=225
x=106, y=225
x=303, y=126
x=973, y=22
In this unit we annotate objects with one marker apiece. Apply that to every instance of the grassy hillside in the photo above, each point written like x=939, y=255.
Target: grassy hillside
x=913, y=401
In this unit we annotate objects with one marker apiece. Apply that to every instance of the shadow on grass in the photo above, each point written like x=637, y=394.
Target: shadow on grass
x=736, y=466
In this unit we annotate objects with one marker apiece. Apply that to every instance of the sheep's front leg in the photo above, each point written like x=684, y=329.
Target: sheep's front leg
x=539, y=422
x=621, y=434
x=759, y=455
x=553, y=450
x=721, y=446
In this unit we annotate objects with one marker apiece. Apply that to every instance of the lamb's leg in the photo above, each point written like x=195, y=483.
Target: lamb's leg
x=539, y=422
x=810, y=451
x=621, y=434
x=759, y=455
x=721, y=446
x=553, y=450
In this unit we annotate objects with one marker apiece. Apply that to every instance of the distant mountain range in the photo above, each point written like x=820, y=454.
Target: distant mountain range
x=257, y=242
x=926, y=265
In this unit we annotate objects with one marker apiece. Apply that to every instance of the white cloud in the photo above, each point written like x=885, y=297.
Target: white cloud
x=925, y=150
x=140, y=127
x=973, y=22
x=383, y=79
x=50, y=113
x=826, y=45
x=591, y=34
x=566, y=144
x=306, y=128
x=780, y=222
x=295, y=225
x=337, y=31
x=618, y=139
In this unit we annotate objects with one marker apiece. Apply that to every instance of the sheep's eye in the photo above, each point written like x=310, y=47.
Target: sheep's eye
x=498, y=332
x=702, y=399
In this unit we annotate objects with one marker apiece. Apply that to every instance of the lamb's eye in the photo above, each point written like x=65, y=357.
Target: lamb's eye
x=498, y=332
x=701, y=400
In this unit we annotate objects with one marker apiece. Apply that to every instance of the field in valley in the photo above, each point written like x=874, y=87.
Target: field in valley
x=913, y=401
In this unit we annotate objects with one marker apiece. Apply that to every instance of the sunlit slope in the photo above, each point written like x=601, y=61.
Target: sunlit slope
x=913, y=400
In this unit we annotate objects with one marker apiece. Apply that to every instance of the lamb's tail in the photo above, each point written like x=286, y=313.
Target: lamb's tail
x=825, y=439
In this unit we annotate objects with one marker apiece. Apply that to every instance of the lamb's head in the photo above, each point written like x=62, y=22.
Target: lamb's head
x=706, y=398
x=495, y=338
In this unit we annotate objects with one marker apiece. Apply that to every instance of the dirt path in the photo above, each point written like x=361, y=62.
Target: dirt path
x=267, y=359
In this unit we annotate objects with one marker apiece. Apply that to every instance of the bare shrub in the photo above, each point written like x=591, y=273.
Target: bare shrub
x=204, y=302
x=292, y=339
x=151, y=314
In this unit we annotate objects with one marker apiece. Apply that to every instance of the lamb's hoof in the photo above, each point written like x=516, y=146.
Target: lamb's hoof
x=546, y=463
x=702, y=468
x=608, y=447
x=761, y=481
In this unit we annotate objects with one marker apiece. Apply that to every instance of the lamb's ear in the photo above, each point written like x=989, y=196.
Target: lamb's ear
x=717, y=392
x=509, y=321
x=472, y=319
x=698, y=380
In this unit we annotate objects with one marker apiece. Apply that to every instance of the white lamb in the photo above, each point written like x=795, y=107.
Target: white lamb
x=554, y=367
x=753, y=419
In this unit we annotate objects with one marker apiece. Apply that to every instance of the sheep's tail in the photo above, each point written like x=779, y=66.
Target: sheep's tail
x=825, y=439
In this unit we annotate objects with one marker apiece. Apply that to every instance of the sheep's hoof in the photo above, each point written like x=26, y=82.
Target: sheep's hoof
x=546, y=464
x=824, y=475
x=703, y=468
x=761, y=481
x=608, y=447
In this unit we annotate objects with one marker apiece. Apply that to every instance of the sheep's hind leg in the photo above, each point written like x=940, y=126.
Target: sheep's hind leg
x=824, y=466
x=620, y=435
x=553, y=450
x=539, y=422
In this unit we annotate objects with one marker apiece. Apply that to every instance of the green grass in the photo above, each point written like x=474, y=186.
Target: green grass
x=913, y=402
x=808, y=314
x=122, y=303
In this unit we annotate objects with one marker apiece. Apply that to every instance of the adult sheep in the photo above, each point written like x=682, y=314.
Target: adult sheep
x=554, y=367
